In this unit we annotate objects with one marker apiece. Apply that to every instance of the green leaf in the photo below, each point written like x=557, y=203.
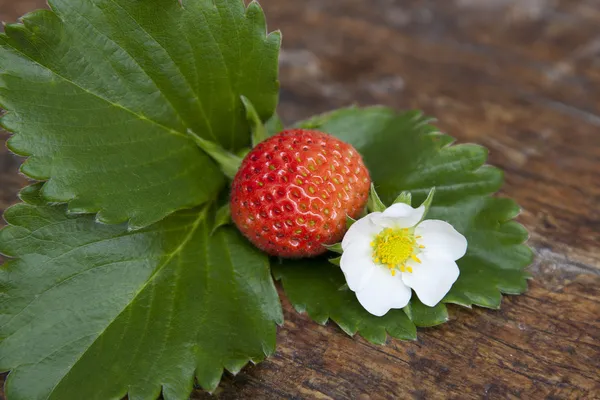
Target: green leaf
x=313, y=286
x=375, y=204
x=496, y=258
x=405, y=154
x=424, y=316
x=101, y=93
x=85, y=304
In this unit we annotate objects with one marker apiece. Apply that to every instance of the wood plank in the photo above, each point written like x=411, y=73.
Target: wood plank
x=521, y=77
x=540, y=345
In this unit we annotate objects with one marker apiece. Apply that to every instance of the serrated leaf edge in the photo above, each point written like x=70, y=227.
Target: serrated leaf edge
x=274, y=36
x=234, y=369
x=423, y=123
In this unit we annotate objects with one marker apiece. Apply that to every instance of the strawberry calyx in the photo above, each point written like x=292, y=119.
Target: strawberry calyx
x=230, y=163
x=293, y=193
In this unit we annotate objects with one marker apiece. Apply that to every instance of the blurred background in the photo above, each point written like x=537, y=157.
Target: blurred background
x=521, y=77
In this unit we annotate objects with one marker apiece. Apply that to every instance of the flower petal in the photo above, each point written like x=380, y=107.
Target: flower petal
x=441, y=239
x=400, y=215
x=363, y=229
x=383, y=292
x=432, y=278
x=357, y=263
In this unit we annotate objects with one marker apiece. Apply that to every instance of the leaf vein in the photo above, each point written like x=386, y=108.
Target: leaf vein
x=151, y=280
x=185, y=78
x=96, y=95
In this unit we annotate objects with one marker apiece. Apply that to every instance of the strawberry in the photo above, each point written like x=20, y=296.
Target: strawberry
x=293, y=191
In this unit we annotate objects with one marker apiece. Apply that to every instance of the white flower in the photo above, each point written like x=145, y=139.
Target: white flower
x=386, y=254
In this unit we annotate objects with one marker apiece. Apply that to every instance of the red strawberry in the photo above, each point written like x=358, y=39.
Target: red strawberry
x=293, y=191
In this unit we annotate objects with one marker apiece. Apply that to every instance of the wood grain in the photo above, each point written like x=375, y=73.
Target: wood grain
x=521, y=77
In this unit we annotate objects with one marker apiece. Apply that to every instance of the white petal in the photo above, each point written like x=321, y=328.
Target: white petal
x=363, y=229
x=383, y=292
x=400, y=215
x=357, y=263
x=441, y=239
x=431, y=279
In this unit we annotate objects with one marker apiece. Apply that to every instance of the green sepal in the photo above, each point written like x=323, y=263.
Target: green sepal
x=229, y=162
x=375, y=204
x=349, y=221
x=336, y=261
x=428, y=201
x=317, y=121
x=336, y=248
x=243, y=152
x=222, y=217
x=404, y=197
x=274, y=125
x=259, y=131
x=344, y=288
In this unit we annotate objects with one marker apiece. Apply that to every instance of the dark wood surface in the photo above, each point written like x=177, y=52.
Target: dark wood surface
x=521, y=77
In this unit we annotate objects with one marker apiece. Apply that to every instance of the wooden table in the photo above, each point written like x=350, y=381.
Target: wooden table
x=521, y=77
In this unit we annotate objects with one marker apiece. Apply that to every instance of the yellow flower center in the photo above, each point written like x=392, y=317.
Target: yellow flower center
x=394, y=247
